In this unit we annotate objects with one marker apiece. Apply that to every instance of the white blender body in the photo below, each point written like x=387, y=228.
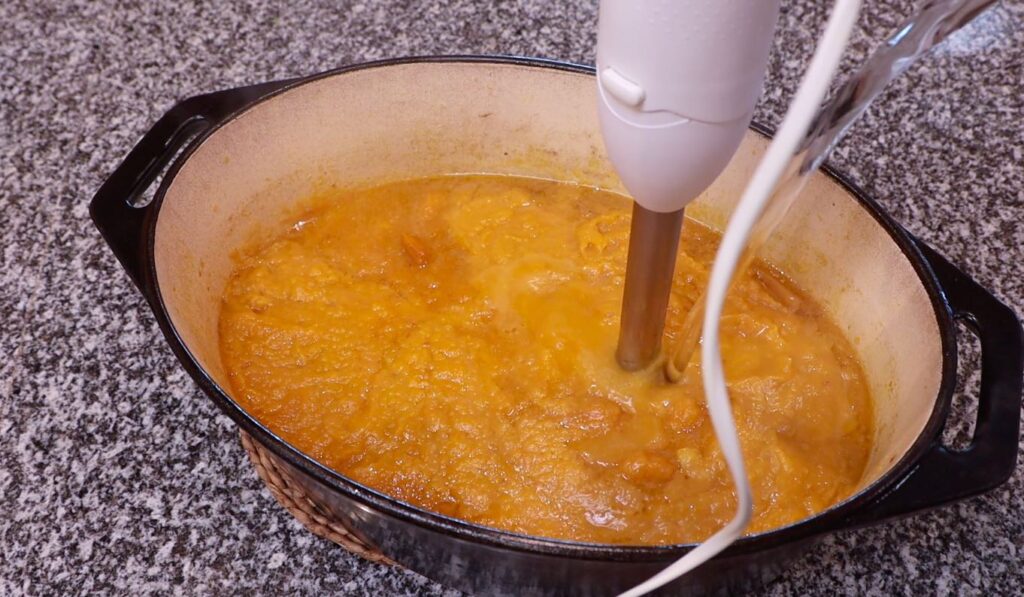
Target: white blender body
x=678, y=80
x=677, y=84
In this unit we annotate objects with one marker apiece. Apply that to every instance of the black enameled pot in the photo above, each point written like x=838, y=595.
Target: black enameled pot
x=237, y=161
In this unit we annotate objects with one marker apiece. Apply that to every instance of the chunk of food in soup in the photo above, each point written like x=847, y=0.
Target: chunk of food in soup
x=450, y=342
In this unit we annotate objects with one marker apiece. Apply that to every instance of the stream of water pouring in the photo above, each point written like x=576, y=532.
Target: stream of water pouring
x=933, y=22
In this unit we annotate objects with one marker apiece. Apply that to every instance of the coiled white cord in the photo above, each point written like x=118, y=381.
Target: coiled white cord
x=755, y=197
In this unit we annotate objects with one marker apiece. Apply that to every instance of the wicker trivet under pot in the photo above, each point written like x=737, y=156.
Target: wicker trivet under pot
x=301, y=505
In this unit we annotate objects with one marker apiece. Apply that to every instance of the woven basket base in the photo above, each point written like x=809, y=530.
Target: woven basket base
x=316, y=518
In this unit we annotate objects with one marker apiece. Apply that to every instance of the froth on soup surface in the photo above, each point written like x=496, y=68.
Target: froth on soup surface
x=450, y=342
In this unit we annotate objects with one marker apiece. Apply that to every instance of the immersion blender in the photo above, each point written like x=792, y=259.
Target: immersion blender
x=636, y=135
x=804, y=139
x=677, y=84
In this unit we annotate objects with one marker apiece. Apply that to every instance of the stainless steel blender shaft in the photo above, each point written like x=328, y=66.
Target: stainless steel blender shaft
x=653, y=245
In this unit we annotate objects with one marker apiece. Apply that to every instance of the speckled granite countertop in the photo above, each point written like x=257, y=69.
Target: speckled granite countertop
x=117, y=475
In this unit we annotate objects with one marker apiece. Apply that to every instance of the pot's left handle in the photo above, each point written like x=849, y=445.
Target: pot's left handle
x=114, y=208
x=943, y=474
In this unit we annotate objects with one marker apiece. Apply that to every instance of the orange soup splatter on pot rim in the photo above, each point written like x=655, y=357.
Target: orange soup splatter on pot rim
x=450, y=342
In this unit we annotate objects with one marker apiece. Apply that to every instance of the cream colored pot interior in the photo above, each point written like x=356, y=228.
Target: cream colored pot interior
x=410, y=120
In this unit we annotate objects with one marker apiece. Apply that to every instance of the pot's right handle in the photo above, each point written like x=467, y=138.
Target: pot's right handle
x=113, y=209
x=944, y=475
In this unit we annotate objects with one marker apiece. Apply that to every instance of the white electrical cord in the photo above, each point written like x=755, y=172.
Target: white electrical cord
x=755, y=197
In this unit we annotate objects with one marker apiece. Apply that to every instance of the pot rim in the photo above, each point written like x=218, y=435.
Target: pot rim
x=823, y=522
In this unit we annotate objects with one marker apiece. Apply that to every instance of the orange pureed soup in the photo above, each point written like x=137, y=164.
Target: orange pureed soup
x=450, y=342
